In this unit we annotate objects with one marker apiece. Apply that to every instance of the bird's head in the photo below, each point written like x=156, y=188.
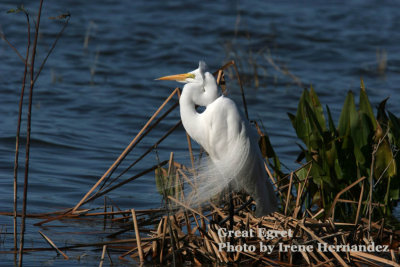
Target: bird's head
x=196, y=76
x=200, y=85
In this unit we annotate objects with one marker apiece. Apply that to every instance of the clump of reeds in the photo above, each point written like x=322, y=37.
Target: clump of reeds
x=179, y=234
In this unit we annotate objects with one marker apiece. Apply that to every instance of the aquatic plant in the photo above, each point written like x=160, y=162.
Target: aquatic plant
x=179, y=234
x=30, y=74
x=361, y=145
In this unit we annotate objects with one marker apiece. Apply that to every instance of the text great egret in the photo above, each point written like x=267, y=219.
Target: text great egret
x=228, y=139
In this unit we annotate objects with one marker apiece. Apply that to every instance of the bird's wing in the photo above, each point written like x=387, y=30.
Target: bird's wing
x=225, y=126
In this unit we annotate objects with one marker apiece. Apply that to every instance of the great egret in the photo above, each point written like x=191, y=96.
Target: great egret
x=227, y=137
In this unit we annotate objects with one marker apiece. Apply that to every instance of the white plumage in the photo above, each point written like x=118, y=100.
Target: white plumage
x=227, y=137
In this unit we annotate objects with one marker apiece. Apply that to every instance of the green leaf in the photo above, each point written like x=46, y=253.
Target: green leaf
x=330, y=154
x=361, y=134
x=301, y=121
x=317, y=108
x=347, y=118
x=266, y=147
x=165, y=184
x=316, y=134
x=365, y=105
x=292, y=119
x=381, y=116
x=385, y=165
x=341, y=155
x=302, y=173
x=305, y=97
x=344, y=120
x=159, y=176
x=394, y=193
x=338, y=170
x=313, y=119
x=332, y=127
x=319, y=175
x=394, y=124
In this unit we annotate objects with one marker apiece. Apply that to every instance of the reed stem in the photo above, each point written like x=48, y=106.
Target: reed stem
x=28, y=136
x=17, y=138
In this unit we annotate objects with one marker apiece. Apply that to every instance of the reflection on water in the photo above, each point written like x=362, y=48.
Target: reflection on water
x=97, y=89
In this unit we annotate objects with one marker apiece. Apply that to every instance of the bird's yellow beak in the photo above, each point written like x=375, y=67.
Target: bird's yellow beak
x=177, y=77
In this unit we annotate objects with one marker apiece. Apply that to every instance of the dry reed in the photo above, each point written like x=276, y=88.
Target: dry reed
x=179, y=234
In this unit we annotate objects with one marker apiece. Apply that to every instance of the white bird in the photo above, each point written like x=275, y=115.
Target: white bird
x=227, y=137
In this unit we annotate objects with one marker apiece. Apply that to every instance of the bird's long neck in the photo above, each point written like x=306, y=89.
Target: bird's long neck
x=201, y=94
x=190, y=117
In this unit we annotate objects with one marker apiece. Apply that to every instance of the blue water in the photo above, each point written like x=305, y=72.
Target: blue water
x=91, y=100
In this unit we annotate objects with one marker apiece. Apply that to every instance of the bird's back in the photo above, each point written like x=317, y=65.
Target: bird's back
x=233, y=149
x=225, y=128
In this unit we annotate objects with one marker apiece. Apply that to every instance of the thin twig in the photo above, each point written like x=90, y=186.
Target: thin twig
x=144, y=154
x=139, y=243
x=125, y=181
x=69, y=211
x=359, y=203
x=2, y=36
x=371, y=188
x=28, y=136
x=124, y=153
x=187, y=207
x=390, y=163
x=289, y=192
x=102, y=256
x=18, y=132
x=52, y=47
x=332, y=210
x=51, y=243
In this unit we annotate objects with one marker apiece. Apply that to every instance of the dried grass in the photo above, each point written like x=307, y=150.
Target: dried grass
x=179, y=234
